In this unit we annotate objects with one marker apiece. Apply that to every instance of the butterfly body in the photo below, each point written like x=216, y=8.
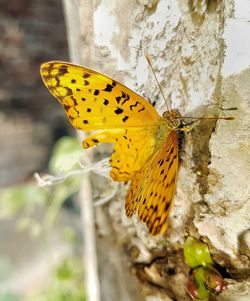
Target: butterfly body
x=145, y=144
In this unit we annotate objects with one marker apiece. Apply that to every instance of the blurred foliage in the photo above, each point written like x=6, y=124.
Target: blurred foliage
x=5, y=267
x=65, y=156
x=23, y=200
x=21, y=203
x=204, y=279
x=66, y=283
x=16, y=198
x=9, y=297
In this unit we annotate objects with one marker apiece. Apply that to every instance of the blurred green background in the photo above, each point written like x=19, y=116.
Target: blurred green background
x=40, y=236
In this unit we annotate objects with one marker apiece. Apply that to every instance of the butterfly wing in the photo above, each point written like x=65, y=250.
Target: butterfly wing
x=132, y=148
x=153, y=187
x=93, y=101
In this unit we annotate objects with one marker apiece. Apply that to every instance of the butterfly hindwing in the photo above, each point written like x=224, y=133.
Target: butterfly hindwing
x=132, y=148
x=153, y=187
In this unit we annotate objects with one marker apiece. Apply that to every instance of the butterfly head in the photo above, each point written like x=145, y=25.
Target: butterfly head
x=173, y=118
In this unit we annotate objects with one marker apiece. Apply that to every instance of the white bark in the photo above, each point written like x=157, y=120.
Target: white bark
x=185, y=40
x=73, y=13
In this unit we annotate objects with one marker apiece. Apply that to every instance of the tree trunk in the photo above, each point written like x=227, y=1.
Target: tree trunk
x=200, y=52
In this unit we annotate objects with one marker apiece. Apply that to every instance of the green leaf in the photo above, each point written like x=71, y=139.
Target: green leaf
x=16, y=198
x=198, y=276
x=65, y=155
x=196, y=253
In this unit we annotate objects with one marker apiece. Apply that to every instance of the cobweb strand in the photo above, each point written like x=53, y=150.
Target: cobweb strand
x=101, y=168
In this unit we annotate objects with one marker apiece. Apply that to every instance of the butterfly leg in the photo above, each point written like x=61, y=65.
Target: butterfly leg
x=188, y=127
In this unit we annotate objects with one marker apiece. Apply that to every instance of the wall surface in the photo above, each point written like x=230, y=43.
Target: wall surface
x=200, y=53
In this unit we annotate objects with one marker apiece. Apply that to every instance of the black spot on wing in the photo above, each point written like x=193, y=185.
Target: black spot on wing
x=66, y=107
x=58, y=96
x=126, y=97
x=160, y=162
x=118, y=111
x=77, y=112
x=163, y=180
x=118, y=99
x=133, y=106
x=86, y=75
x=62, y=70
x=71, y=118
x=172, y=161
x=74, y=100
x=167, y=205
x=121, y=172
x=106, y=102
x=69, y=91
x=124, y=119
x=108, y=88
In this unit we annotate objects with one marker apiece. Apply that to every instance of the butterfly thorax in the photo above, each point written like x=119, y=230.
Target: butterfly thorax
x=169, y=122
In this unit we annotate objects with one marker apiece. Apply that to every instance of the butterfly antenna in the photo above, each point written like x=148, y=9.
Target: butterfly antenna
x=151, y=66
x=224, y=118
x=181, y=117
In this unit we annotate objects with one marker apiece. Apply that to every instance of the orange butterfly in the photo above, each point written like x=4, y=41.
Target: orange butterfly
x=145, y=144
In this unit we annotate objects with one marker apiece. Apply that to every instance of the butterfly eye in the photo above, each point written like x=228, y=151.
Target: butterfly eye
x=176, y=123
x=173, y=118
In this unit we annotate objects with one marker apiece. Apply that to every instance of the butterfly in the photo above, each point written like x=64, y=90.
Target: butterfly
x=146, y=150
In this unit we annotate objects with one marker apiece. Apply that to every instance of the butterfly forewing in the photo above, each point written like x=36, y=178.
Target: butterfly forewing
x=94, y=101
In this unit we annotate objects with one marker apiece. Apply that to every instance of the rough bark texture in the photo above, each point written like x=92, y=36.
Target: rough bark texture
x=186, y=44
